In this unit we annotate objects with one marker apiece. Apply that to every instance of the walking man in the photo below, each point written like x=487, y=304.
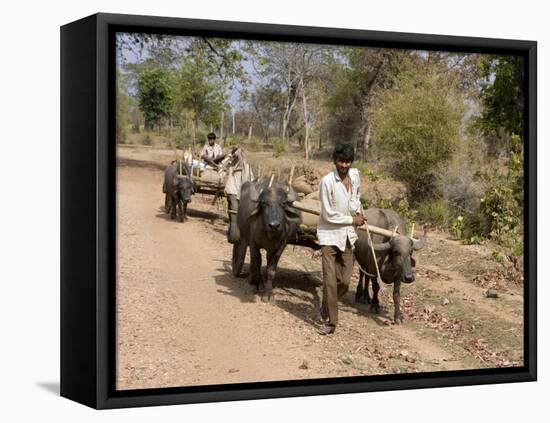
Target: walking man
x=341, y=212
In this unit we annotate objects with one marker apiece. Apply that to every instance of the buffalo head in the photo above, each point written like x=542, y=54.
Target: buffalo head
x=273, y=204
x=184, y=188
x=400, y=260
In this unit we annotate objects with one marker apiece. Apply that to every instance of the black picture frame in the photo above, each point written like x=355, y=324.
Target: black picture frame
x=88, y=214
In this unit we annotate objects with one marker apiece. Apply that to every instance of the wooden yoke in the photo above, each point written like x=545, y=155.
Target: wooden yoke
x=374, y=229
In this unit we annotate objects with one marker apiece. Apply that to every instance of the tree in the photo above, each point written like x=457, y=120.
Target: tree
x=200, y=90
x=417, y=125
x=369, y=69
x=266, y=102
x=121, y=108
x=155, y=96
x=292, y=68
x=502, y=100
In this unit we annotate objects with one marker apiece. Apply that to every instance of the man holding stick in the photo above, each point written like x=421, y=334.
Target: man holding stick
x=341, y=212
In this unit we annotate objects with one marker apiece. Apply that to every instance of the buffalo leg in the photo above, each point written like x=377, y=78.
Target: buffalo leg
x=362, y=294
x=239, y=253
x=173, y=207
x=233, y=229
x=359, y=295
x=180, y=210
x=255, y=275
x=272, y=261
x=184, y=212
x=375, y=304
x=167, y=203
x=397, y=316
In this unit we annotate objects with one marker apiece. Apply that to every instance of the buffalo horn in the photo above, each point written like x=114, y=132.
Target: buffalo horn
x=419, y=243
x=384, y=246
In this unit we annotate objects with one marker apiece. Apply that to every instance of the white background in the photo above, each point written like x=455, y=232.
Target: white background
x=29, y=212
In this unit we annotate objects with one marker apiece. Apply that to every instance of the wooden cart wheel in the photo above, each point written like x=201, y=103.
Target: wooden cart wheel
x=237, y=259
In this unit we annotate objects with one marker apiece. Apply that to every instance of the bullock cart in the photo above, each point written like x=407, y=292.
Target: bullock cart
x=207, y=181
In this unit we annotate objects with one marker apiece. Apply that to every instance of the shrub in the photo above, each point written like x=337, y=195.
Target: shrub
x=417, y=126
x=362, y=167
x=457, y=226
x=434, y=211
x=461, y=187
x=278, y=147
x=502, y=204
x=147, y=140
x=404, y=210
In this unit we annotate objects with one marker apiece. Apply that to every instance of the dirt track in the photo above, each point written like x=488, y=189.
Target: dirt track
x=182, y=319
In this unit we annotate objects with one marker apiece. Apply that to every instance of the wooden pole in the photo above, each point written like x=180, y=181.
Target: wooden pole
x=374, y=229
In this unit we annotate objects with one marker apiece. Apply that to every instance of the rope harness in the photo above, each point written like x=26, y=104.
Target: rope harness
x=379, y=279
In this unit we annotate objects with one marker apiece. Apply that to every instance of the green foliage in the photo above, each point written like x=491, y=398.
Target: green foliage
x=122, y=105
x=404, y=210
x=278, y=147
x=155, y=96
x=200, y=90
x=384, y=204
x=232, y=142
x=502, y=94
x=365, y=170
x=497, y=255
x=417, y=125
x=434, y=211
x=255, y=144
x=473, y=240
x=503, y=202
x=457, y=226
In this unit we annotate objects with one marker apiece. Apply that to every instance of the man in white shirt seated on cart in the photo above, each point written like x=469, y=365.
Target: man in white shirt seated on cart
x=212, y=153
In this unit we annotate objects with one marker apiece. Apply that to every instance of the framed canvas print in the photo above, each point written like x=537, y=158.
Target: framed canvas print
x=257, y=211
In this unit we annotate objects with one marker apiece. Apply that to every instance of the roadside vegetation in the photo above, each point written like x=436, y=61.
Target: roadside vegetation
x=439, y=136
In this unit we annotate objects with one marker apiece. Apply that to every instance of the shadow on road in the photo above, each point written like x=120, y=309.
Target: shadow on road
x=144, y=164
x=295, y=291
x=210, y=217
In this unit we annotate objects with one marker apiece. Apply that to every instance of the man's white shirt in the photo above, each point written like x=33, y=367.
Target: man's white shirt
x=338, y=206
x=211, y=152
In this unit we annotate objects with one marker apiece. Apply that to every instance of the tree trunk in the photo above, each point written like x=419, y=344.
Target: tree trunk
x=250, y=133
x=306, y=124
x=221, y=124
x=195, y=124
x=366, y=140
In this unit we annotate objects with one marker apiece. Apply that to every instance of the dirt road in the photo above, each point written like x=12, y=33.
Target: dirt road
x=182, y=319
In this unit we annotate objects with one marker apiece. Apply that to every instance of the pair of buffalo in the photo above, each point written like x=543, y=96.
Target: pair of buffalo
x=267, y=220
x=178, y=190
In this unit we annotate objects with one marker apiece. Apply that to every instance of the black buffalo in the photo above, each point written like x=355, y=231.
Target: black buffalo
x=394, y=257
x=178, y=190
x=266, y=220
